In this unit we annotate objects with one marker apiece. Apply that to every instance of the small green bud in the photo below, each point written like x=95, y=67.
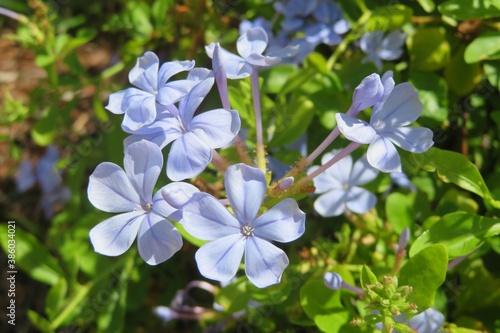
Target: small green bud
x=405, y=291
x=403, y=328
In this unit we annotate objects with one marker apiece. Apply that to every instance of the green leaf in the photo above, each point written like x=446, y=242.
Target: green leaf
x=389, y=18
x=32, y=257
x=429, y=49
x=296, y=80
x=460, y=232
x=39, y=322
x=468, y=10
x=275, y=78
x=425, y=272
x=323, y=305
x=55, y=298
x=234, y=297
x=367, y=277
x=294, y=121
x=427, y=5
x=433, y=93
x=399, y=211
x=44, y=60
x=453, y=167
x=484, y=47
x=461, y=75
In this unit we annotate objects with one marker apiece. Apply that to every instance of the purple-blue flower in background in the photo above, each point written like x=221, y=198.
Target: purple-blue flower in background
x=330, y=24
x=399, y=106
x=193, y=137
x=251, y=46
x=142, y=214
x=339, y=186
x=428, y=321
x=141, y=105
x=296, y=13
x=245, y=232
x=402, y=180
x=379, y=46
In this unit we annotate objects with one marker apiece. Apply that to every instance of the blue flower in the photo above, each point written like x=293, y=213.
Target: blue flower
x=251, y=46
x=379, y=46
x=142, y=214
x=330, y=24
x=428, y=321
x=231, y=236
x=193, y=137
x=339, y=189
x=402, y=180
x=141, y=105
x=398, y=107
x=296, y=13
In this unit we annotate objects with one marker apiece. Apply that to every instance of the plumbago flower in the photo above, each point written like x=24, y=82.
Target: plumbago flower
x=142, y=214
x=428, y=321
x=251, y=46
x=193, y=137
x=379, y=46
x=339, y=189
x=140, y=105
x=398, y=107
x=231, y=236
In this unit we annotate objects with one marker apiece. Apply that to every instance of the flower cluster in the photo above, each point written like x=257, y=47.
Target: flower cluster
x=161, y=112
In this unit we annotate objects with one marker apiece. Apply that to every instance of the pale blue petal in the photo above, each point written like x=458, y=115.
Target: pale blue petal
x=253, y=41
x=401, y=108
x=169, y=69
x=286, y=52
x=115, y=235
x=144, y=75
x=245, y=187
x=219, y=260
x=157, y=239
x=206, y=218
x=429, y=321
x=391, y=47
x=220, y=72
x=188, y=157
x=172, y=92
x=189, y=105
x=354, y=129
x=264, y=262
x=283, y=223
x=366, y=94
x=382, y=155
x=161, y=139
x=362, y=172
x=262, y=61
x=333, y=280
x=236, y=67
x=388, y=83
x=370, y=41
x=25, y=176
x=340, y=172
x=115, y=102
x=171, y=199
x=360, y=200
x=414, y=139
x=217, y=128
x=324, y=181
x=141, y=112
x=110, y=189
x=143, y=162
x=331, y=203
x=46, y=173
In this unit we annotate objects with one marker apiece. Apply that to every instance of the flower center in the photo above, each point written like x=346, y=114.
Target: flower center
x=247, y=230
x=147, y=207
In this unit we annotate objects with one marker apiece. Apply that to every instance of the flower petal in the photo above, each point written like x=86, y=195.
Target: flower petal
x=236, y=67
x=170, y=199
x=354, y=129
x=189, y=104
x=360, y=200
x=283, y=223
x=161, y=139
x=382, y=155
x=188, y=157
x=144, y=75
x=217, y=128
x=172, y=92
x=158, y=239
x=324, y=182
x=143, y=162
x=110, y=189
x=219, y=260
x=253, y=41
x=362, y=172
x=169, y=69
x=401, y=108
x=115, y=103
x=206, y=218
x=141, y=111
x=115, y=235
x=414, y=139
x=366, y=94
x=245, y=187
x=340, y=172
x=264, y=262
x=331, y=203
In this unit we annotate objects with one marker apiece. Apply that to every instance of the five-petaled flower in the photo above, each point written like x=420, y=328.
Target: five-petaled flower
x=379, y=46
x=142, y=214
x=339, y=189
x=245, y=232
x=398, y=107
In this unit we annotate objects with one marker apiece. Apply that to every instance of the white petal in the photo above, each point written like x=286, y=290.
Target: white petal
x=206, y=218
x=115, y=235
x=331, y=203
x=284, y=222
x=264, y=262
x=383, y=156
x=110, y=189
x=219, y=260
x=245, y=187
x=354, y=129
x=217, y=128
x=143, y=162
x=360, y=200
x=158, y=239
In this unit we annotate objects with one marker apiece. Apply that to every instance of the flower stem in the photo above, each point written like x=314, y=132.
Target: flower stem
x=261, y=153
x=220, y=163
